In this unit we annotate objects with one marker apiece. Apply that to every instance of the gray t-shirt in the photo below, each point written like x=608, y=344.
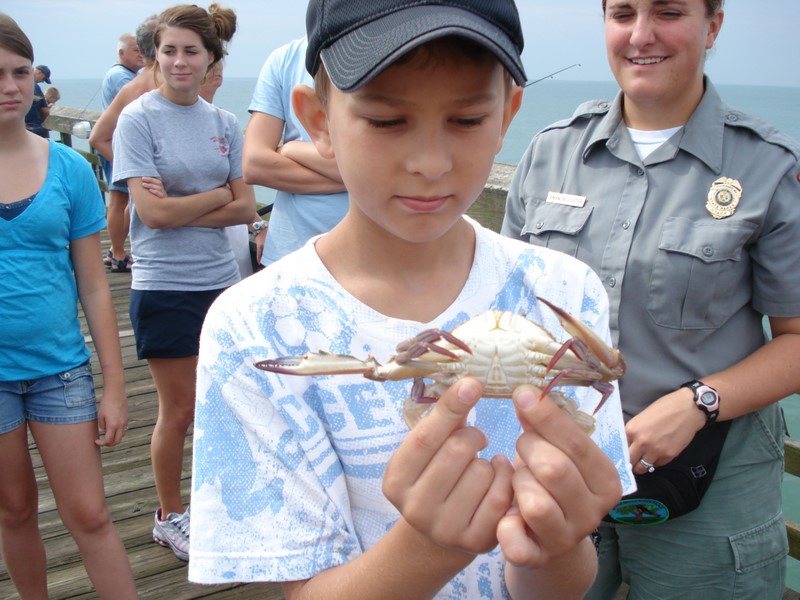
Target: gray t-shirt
x=192, y=149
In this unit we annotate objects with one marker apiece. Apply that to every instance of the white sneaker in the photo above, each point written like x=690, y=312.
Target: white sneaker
x=173, y=533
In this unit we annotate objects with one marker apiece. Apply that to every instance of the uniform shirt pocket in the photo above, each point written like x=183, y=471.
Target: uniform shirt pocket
x=702, y=273
x=555, y=226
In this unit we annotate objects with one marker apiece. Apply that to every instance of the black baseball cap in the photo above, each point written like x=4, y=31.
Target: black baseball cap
x=357, y=39
x=45, y=71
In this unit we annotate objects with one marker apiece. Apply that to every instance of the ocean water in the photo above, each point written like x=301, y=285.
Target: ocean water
x=545, y=102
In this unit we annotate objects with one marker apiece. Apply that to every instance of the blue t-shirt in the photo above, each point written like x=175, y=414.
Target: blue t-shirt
x=115, y=78
x=295, y=218
x=41, y=334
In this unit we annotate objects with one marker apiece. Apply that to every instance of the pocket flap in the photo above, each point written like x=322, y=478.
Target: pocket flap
x=709, y=242
x=547, y=217
x=760, y=545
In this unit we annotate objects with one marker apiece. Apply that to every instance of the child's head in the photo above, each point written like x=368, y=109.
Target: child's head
x=16, y=73
x=214, y=27
x=52, y=95
x=418, y=102
x=13, y=39
x=355, y=40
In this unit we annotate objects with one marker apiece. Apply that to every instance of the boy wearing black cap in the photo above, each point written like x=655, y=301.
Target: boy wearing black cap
x=315, y=481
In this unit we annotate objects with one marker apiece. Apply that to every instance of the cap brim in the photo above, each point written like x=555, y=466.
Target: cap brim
x=357, y=57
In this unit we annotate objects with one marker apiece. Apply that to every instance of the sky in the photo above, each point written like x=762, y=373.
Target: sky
x=759, y=43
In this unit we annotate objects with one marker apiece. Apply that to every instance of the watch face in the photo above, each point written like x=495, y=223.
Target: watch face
x=708, y=398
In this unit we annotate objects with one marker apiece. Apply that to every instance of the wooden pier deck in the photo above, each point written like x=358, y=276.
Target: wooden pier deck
x=131, y=496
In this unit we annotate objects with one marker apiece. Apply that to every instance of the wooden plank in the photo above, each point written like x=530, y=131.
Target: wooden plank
x=793, y=533
x=792, y=457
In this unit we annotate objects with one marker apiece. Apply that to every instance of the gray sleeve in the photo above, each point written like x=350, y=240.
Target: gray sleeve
x=133, y=148
x=776, y=255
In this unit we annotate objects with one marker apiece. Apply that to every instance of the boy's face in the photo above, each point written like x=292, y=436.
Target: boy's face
x=415, y=145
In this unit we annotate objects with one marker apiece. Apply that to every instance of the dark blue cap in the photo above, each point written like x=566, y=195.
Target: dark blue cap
x=357, y=39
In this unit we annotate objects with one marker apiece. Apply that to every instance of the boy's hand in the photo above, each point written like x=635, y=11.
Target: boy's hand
x=438, y=483
x=563, y=484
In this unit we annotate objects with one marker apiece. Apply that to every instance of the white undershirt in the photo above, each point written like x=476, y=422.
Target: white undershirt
x=646, y=142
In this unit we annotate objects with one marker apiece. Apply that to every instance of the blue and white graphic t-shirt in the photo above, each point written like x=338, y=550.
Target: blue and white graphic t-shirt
x=287, y=470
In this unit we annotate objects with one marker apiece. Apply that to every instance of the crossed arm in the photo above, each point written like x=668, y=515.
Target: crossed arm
x=230, y=204
x=294, y=167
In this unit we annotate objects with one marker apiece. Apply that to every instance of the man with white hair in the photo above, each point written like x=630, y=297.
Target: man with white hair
x=129, y=61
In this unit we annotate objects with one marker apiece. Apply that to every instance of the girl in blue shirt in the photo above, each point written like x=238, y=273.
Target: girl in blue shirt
x=51, y=214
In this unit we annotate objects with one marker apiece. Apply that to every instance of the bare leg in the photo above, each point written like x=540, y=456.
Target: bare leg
x=117, y=217
x=74, y=469
x=175, y=383
x=20, y=542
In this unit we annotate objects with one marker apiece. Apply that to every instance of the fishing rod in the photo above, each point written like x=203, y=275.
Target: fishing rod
x=530, y=83
x=82, y=129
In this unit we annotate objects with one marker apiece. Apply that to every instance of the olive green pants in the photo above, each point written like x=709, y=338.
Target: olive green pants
x=733, y=546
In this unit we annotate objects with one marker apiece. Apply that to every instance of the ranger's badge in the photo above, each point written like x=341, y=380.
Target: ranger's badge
x=723, y=197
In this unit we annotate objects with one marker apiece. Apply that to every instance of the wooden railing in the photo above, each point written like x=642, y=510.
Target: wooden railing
x=61, y=120
x=488, y=209
x=792, y=467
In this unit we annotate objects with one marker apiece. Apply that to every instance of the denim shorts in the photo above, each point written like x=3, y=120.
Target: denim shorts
x=167, y=324
x=60, y=399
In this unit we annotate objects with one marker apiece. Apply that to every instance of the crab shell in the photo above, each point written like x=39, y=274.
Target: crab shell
x=502, y=350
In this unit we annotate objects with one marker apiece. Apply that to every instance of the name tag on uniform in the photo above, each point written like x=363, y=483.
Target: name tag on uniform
x=566, y=199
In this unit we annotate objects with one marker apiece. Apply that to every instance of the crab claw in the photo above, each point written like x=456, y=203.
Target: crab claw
x=608, y=356
x=318, y=363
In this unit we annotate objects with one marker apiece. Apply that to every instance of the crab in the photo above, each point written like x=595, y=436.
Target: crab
x=501, y=349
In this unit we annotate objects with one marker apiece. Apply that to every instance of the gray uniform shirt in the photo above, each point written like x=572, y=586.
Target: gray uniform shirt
x=192, y=149
x=687, y=290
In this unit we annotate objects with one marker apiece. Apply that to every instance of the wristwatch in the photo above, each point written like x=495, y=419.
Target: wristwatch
x=259, y=226
x=706, y=399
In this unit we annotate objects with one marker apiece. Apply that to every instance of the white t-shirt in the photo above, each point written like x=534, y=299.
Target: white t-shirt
x=287, y=470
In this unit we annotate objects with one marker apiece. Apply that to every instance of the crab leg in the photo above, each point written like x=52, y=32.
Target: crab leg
x=424, y=342
x=587, y=346
x=563, y=378
x=319, y=363
x=608, y=356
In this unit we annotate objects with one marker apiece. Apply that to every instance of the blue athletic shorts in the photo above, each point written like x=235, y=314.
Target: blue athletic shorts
x=63, y=398
x=167, y=324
